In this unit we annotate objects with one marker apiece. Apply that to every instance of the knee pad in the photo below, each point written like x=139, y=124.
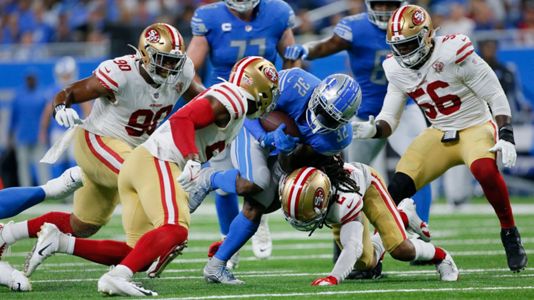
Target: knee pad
x=401, y=186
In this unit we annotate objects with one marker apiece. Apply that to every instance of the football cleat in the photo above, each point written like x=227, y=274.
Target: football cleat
x=374, y=273
x=114, y=283
x=46, y=245
x=64, y=185
x=161, y=263
x=220, y=274
x=326, y=281
x=13, y=278
x=515, y=253
x=3, y=244
x=233, y=263
x=201, y=189
x=262, y=244
x=415, y=224
x=447, y=269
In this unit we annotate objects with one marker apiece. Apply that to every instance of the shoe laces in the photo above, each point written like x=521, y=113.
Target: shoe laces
x=225, y=273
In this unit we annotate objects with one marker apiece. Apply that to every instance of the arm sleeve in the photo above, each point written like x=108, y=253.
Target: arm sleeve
x=255, y=128
x=351, y=236
x=393, y=106
x=481, y=79
x=195, y=115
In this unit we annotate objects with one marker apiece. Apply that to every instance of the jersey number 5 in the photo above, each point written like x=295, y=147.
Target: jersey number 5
x=145, y=121
x=446, y=105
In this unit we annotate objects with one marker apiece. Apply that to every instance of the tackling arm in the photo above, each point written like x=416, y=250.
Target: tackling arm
x=287, y=39
x=326, y=47
x=351, y=236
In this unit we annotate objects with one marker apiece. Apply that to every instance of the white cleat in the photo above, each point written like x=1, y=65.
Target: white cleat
x=3, y=244
x=233, y=262
x=200, y=189
x=447, y=269
x=415, y=224
x=46, y=245
x=262, y=244
x=220, y=274
x=112, y=283
x=65, y=184
x=13, y=278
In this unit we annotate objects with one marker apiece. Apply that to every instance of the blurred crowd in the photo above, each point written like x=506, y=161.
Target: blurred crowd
x=46, y=21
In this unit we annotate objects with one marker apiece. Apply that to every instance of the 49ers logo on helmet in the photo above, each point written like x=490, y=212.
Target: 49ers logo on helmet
x=152, y=36
x=271, y=74
x=418, y=17
x=318, y=199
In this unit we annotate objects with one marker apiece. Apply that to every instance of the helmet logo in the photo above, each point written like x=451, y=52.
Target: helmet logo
x=418, y=17
x=271, y=74
x=318, y=199
x=152, y=36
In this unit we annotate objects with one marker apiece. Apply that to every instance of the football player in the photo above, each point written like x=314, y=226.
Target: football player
x=454, y=87
x=311, y=199
x=134, y=94
x=363, y=36
x=226, y=31
x=321, y=110
x=155, y=208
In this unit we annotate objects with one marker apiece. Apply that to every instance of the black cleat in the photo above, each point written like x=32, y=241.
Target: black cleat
x=515, y=253
x=375, y=273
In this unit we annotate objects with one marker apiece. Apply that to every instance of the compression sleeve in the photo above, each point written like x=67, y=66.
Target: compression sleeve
x=393, y=106
x=481, y=79
x=351, y=236
x=195, y=115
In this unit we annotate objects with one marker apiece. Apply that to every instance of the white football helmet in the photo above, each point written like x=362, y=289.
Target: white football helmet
x=305, y=196
x=379, y=17
x=66, y=71
x=241, y=5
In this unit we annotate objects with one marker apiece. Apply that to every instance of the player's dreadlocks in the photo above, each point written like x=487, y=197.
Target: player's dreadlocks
x=332, y=166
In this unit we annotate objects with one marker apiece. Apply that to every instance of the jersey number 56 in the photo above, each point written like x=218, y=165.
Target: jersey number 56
x=446, y=104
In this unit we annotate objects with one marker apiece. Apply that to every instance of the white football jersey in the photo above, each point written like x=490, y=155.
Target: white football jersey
x=210, y=140
x=349, y=205
x=453, y=87
x=138, y=108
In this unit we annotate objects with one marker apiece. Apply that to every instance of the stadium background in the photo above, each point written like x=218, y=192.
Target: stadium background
x=35, y=34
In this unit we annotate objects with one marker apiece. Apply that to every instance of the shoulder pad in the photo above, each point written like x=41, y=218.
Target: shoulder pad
x=457, y=46
x=111, y=72
x=230, y=96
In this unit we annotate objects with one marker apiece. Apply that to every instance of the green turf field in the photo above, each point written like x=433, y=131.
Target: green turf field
x=473, y=240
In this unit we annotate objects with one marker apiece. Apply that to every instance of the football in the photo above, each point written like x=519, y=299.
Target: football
x=273, y=119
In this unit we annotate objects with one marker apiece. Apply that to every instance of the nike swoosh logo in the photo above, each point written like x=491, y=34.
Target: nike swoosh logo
x=146, y=293
x=43, y=249
x=107, y=70
x=263, y=249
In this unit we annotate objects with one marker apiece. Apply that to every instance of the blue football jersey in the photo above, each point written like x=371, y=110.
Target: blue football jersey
x=368, y=50
x=231, y=38
x=296, y=88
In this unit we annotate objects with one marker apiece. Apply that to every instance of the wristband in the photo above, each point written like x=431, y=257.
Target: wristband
x=506, y=133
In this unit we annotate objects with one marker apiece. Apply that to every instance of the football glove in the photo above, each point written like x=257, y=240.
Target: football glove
x=280, y=140
x=508, y=153
x=295, y=52
x=364, y=130
x=189, y=174
x=66, y=116
x=330, y=280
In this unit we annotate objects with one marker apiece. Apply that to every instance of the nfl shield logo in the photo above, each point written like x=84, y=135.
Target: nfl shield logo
x=438, y=66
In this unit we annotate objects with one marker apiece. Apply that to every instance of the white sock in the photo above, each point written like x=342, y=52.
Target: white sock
x=123, y=271
x=13, y=232
x=378, y=246
x=66, y=243
x=423, y=251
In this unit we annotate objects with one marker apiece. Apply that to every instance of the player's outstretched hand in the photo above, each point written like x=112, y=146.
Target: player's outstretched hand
x=189, y=174
x=295, y=52
x=508, y=153
x=280, y=140
x=66, y=116
x=330, y=280
x=364, y=130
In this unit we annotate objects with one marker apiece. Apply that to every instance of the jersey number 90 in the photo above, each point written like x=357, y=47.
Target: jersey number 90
x=145, y=121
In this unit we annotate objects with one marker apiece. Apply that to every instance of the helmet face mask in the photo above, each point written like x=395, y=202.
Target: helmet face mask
x=162, y=51
x=409, y=33
x=380, y=17
x=241, y=6
x=333, y=103
x=305, y=196
x=258, y=79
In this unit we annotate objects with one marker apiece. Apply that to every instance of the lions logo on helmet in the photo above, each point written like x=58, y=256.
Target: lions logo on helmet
x=305, y=196
x=381, y=17
x=258, y=79
x=333, y=103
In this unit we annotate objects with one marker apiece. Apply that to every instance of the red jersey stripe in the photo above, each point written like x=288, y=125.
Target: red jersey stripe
x=113, y=82
x=461, y=59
